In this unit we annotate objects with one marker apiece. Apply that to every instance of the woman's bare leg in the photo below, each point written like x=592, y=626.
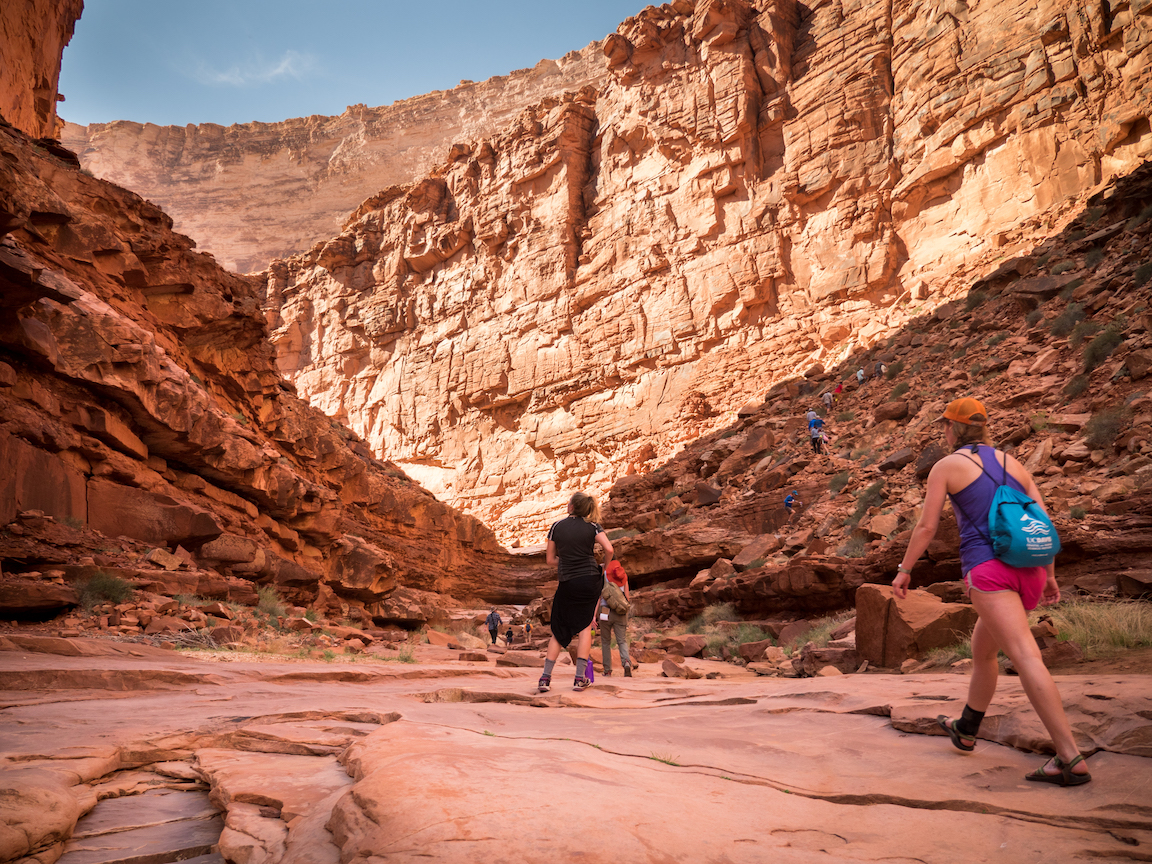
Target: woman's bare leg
x=584, y=643
x=985, y=668
x=1006, y=622
x=554, y=649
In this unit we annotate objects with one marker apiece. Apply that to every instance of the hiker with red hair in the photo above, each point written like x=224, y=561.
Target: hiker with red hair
x=611, y=622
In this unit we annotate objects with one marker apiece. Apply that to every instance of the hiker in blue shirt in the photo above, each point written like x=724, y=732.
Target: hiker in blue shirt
x=816, y=433
x=792, y=499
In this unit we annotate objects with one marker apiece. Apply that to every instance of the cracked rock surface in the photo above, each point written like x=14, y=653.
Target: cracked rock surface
x=335, y=763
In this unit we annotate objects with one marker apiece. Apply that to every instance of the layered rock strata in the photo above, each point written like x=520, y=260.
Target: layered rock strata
x=756, y=188
x=33, y=34
x=144, y=426
x=255, y=191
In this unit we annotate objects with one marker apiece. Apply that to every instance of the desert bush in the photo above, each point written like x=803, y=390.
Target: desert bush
x=845, y=416
x=1068, y=290
x=1093, y=256
x=866, y=498
x=1062, y=267
x=270, y=602
x=621, y=533
x=1063, y=323
x=974, y=299
x=942, y=657
x=1081, y=332
x=900, y=389
x=1092, y=215
x=1104, y=426
x=1043, y=260
x=1140, y=218
x=1143, y=274
x=996, y=339
x=1076, y=386
x=938, y=348
x=838, y=482
x=1034, y=317
x=822, y=629
x=1077, y=512
x=719, y=612
x=894, y=370
x=311, y=615
x=103, y=587
x=1104, y=627
x=1105, y=342
x=853, y=548
x=959, y=352
x=749, y=633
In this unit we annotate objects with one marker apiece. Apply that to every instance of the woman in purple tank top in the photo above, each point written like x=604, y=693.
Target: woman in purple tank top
x=1001, y=595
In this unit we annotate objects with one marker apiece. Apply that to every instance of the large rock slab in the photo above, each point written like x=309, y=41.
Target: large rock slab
x=890, y=631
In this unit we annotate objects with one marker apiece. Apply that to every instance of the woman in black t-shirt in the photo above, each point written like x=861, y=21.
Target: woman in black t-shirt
x=571, y=546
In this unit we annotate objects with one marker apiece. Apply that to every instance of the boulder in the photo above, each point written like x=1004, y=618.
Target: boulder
x=753, y=652
x=813, y=660
x=226, y=635
x=121, y=510
x=444, y=640
x=759, y=549
x=38, y=598
x=688, y=645
x=1136, y=583
x=228, y=549
x=896, y=410
x=897, y=460
x=671, y=669
x=928, y=457
x=890, y=631
x=520, y=658
x=793, y=631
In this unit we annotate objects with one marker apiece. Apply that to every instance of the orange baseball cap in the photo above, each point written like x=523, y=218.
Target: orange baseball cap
x=969, y=411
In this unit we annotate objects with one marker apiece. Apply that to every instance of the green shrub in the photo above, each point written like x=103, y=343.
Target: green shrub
x=1062, y=267
x=1063, y=323
x=1034, y=317
x=1076, y=386
x=1098, y=350
x=1140, y=218
x=270, y=602
x=894, y=370
x=854, y=548
x=837, y=483
x=975, y=369
x=899, y=390
x=1043, y=260
x=1093, y=256
x=1105, y=426
x=103, y=587
x=311, y=615
x=621, y=533
x=329, y=655
x=1068, y=290
x=975, y=298
x=995, y=339
x=719, y=612
x=845, y=416
x=1143, y=274
x=1077, y=512
x=1081, y=332
x=939, y=348
x=865, y=499
x=1077, y=235
x=750, y=633
x=1092, y=215
x=405, y=655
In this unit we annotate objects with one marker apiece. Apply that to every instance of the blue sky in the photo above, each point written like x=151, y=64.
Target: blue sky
x=211, y=61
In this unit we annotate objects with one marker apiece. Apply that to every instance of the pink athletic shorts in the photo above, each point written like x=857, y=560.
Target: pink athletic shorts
x=995, y=575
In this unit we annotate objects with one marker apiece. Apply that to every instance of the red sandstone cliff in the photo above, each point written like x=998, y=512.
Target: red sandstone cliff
x=33, y=34
x=758, y=187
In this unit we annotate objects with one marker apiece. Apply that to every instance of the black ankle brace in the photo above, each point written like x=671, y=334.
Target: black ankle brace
x=969, y=722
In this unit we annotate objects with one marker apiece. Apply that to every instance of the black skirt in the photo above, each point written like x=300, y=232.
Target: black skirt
x=574, y=606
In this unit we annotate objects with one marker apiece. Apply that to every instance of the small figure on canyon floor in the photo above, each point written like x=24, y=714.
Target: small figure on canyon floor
x=839, y=389
x=793, y=504
x=528, y=630
x=570, y=548
x=611, y=621
x=828, y=399
x=860, y=376
x=879, y=371
x=1002, y=595
x=816, y=433
x=493, y=623
x=508, y=638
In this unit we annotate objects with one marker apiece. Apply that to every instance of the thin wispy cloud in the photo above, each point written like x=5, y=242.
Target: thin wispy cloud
x=258, y=71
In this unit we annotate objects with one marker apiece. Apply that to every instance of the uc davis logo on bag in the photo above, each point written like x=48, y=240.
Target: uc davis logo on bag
x=1039, y=537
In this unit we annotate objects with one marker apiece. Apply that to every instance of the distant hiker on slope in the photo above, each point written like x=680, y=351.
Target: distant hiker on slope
x=493, y=623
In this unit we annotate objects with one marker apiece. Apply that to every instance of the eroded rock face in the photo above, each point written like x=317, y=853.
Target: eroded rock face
x=256, y=191
x=33, y=34
x=140, y=407
x=755, y=189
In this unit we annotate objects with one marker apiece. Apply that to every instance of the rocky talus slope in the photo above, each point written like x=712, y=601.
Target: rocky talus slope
x=145, y=431
x=252, y=192
x=1056, y=343
x=755, y=188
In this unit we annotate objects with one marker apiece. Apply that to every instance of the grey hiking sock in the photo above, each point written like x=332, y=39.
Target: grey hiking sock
x=548, y=665
x=581, y=667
